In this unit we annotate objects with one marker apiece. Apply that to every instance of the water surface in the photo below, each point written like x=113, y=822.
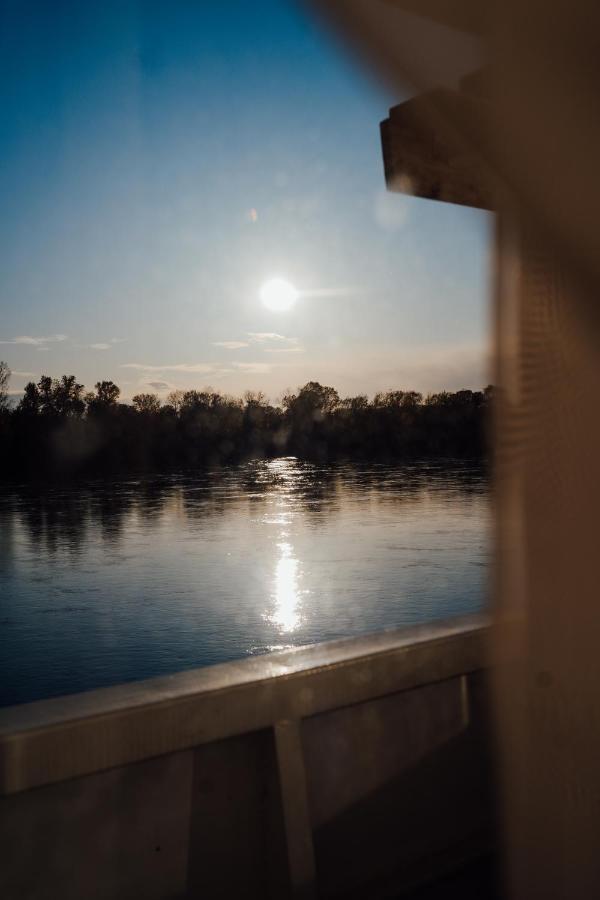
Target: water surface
x=109, y=582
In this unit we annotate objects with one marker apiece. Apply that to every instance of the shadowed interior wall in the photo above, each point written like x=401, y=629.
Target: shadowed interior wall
x=121, y=833
x=384, y=809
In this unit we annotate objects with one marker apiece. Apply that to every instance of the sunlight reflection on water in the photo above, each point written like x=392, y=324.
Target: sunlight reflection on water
x=287, y=597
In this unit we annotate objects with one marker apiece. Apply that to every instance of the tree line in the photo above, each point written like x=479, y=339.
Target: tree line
x=59, y=428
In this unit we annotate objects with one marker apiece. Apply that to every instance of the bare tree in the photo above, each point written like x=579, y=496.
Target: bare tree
x=146, y=403
x=176, y=400
x=255, y=399
x=4, y=379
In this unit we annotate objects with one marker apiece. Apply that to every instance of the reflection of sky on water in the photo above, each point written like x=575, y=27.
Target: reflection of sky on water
x=110, y=582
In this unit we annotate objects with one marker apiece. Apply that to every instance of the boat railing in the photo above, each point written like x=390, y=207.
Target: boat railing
x=359, y=765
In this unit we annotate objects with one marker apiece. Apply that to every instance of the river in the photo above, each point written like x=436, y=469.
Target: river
x=102, y=583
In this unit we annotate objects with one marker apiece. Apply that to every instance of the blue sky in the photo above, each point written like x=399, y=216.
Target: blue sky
x=161, y=160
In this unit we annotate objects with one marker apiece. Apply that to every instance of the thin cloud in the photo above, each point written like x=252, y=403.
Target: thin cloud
x=258, y=337
x=159, y=385
x=199, y=368
x=24, y=374
x=284, y=349
x=102, y=345
x=253, y=368
x=264, y=337
x=283, y=344
x=29, y=341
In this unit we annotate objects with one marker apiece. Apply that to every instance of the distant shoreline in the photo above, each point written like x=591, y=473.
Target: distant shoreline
x=58, y=432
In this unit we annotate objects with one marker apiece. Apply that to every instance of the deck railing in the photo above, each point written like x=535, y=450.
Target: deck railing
x=349, y=768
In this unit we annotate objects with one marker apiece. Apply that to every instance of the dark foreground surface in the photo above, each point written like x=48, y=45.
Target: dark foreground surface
x=479, y=880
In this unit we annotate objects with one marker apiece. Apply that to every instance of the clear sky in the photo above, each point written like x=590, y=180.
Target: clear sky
x=162, y=159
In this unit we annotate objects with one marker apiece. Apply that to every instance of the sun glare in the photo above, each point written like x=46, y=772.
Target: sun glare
x=278, y=295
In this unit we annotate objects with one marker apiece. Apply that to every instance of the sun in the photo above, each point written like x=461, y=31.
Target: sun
x=278, y=295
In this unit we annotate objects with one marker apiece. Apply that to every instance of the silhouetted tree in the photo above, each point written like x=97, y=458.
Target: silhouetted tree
x=54, y=397
x=175, y=400
x=31, y=401
x=4, y=379
x=105, y=398
x=314, y=400
x=67, y=397
x=411, y=399
x=50, y=430
x=255, y=399
x=355, y=404
x=146, y=403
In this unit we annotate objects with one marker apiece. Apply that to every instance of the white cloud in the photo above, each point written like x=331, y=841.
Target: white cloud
x=24, y=374
x=231, y=345
x=99, y=346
